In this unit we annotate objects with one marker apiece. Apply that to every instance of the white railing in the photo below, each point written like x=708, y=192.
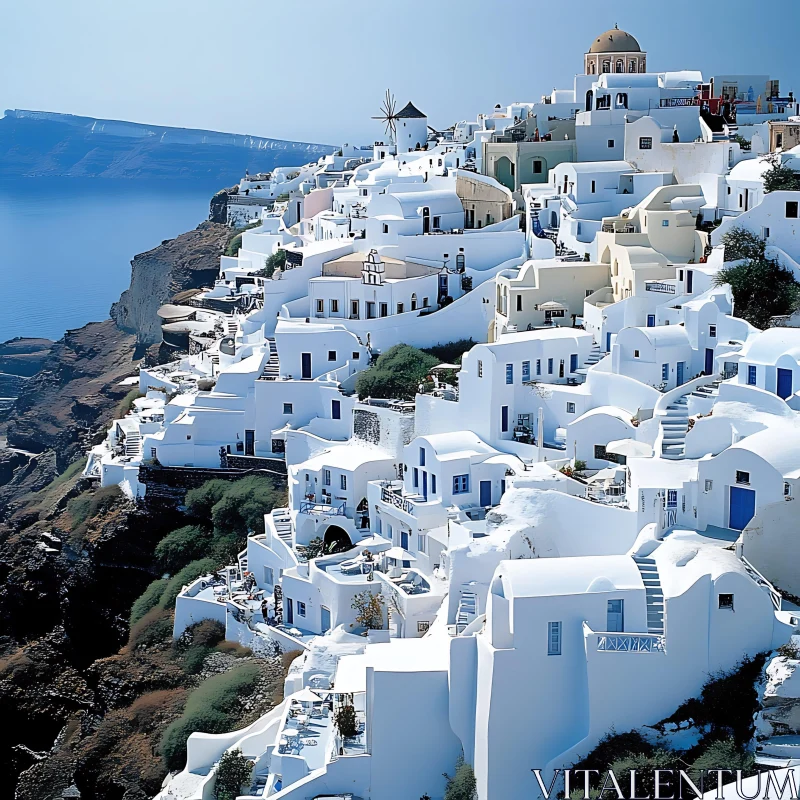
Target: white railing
x=396, y=500
x=762, y=581
x=631, y=643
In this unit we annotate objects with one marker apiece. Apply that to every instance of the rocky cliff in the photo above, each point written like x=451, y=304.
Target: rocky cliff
x=187, y=262
x=39, y=143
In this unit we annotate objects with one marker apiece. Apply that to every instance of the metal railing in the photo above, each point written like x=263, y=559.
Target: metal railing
x=311, y=507
x=396, y=500
x=631, y=643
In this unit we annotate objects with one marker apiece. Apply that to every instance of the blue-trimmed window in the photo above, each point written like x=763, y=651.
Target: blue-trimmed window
x=538, y=366
x=509, y=373
x=665, y=372
x=433, y=484
x=751, y=375
x=549, y=366
x=526, y=371
x=554, y=638
x=416, y=477
x=422, y=456
x=460, y=484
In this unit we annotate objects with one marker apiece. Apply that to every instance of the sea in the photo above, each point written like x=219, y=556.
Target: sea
x=66, y=244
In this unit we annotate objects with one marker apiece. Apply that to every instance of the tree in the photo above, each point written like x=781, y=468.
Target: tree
x=461, y=785
x=271, y=263
x=397, y=373
x=233, y=771
x=315, y=548
x=779, y=177
x=370, y=610
x=345, y=721
x=722, y=754
x=742, y=243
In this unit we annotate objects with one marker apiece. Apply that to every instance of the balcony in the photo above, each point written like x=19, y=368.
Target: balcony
x=329, y=509
x=631, y=643
x=394, y=497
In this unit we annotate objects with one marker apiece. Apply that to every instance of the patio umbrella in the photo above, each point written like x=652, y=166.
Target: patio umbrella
x=399, y=554
x=373, y=540
x=307, y=696
x=629, y=448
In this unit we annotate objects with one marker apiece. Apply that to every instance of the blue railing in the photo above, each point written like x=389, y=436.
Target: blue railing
x=310, y=507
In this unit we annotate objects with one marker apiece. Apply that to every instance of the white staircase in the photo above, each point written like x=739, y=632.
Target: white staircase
x=674, y=427
x=242, y=559
x=231, y=327
x=467, y=610
x=283, y=525
x=594, y=357
x=272, y=369
x=654, y=593
x=708, y=391
x=133, y=444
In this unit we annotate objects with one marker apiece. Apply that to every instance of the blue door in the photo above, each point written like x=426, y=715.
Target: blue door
x=573, y=362
x=784, y=383
x=404, y=540
x=709, y=365
x=324, y=619
x=425, y=484
x=679, y=378
x=608, y=342
x=504, y=419
x=289, y=611
x=615, y=616
x=305, y=366
x=486, y=493
x=743, y=507
x=651, y=320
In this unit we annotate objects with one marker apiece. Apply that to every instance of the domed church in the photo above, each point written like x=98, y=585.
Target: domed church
x=615, y=51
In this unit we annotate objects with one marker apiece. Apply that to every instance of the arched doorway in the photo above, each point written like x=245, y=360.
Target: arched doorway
x=589, y=100
x=336, y=540
x=426, y=220
x=362, y=509
x=504, y=173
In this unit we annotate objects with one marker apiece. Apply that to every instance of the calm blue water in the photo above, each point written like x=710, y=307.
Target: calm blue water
x=66, y=244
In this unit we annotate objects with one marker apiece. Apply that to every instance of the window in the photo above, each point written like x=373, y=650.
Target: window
x=610, y=143
x=354, y=309
x=356, y=355
x=301, y=609
x=549, y=366
x=437, y=223
x=460, y=484
x=433, y=484
x=287, y=408
x=665, y=372
x=416, y=477
x=423, y=626
x=712, y=331
x=422, y=543
x=765, y=233
x=343, y=481
x=509, y=373
x=400, y=308
x=537, y=167
x=787, y=490
x=504, y=419
x=331, y=355
x=519, y=302
x=385, y=228
x=726, y=601
x=538, y=366
x=600, y=452
x=384, y=309
x=480, y=368
x=665, y=223
x=593, y=187
x=269, y=576
x=709, y=485
x=422, y=456
x=526, y=371
x=636, y=354
x=554, y=638
x=336, y=409
x=742, y=477
x=334, y=306
x=791, y=209
x=751, y=375
x=570, y=408
x=425, y=302
x=645, y=142
x=672, y=498
x=320, y=306
x=326, y=477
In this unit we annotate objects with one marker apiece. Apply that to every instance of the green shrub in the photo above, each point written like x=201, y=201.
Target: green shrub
x=271, y=263
x=190, y=572
x=208, y=633
x=780, y=178
x=213, y=707
x=450, y=352
x=722, y=754
x=148, y=600
x=613, y=747
x=153, y=628
x=397, y=373
x=645, y=766
x=193, y=658
x=233, y=772
x=242, y=506
x=462, y=784
x=181, y=546
x=200, y=501
x=126, y=404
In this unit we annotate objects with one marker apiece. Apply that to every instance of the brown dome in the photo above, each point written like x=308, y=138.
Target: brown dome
x=615, y=41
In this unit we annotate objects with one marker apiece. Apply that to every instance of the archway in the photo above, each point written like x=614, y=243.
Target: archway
x=589, y=100
x=336, y=539
x=503, y=173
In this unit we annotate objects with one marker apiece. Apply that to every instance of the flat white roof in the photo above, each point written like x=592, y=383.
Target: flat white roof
x=343, y=457
x=661, y=473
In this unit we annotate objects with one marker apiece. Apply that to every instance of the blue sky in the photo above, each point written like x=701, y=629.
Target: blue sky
x=316, y=70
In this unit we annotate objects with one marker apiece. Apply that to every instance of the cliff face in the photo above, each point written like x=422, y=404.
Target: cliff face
x=39, y=143
x=187, y=262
